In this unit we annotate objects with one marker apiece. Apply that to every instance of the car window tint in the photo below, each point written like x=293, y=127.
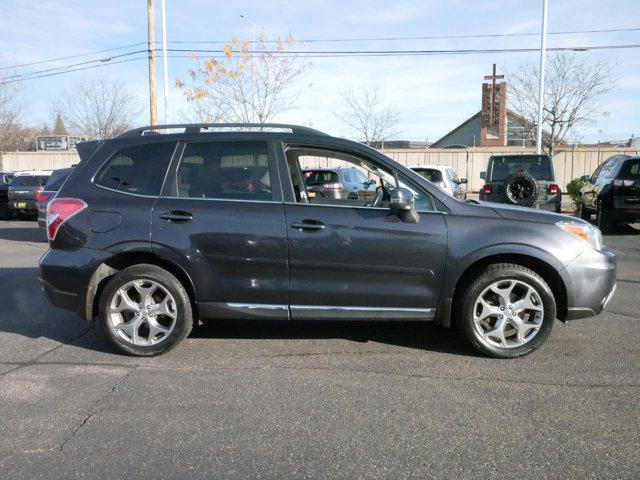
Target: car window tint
x=318, y=177
x=453, y=176
x=139, y=169
x=431, y=174
x=56, y=179
x=230, y=170
x=503, y=167
x=630, y=169
x=30, y=180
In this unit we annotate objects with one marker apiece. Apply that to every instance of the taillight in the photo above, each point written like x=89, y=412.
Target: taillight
x=618, y=182
x=43, y=197
x=332, y=186
x=488, y=189
x=38, y=192
x=553, y=189
x=59, y=211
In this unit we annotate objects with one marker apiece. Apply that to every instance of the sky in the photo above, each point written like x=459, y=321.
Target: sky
x=433, y=94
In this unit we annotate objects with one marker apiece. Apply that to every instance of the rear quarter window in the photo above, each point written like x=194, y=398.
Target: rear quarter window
x=139, y=169
x=631, y=169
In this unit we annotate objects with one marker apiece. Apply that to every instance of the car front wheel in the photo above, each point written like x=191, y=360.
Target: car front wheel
x=145, y=310
x=507, y=311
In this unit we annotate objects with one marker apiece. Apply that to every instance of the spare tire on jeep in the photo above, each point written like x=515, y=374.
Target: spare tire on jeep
x=521, y=188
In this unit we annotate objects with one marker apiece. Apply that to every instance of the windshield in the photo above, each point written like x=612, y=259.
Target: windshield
x=538, y=166
x=29, y=180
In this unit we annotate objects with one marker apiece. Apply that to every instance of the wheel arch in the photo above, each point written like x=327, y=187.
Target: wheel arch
x=123, y=260
x=543, y=268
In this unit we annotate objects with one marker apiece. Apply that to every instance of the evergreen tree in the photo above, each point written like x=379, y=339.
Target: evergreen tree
x=59, y=128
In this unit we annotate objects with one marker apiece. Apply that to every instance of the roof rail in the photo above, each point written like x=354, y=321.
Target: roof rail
x=198, y=127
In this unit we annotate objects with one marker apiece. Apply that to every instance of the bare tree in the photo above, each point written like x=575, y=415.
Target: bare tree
x=371, y=118
x=98, y=108
x=10, y=117
x=572, y=90
x=252, y=83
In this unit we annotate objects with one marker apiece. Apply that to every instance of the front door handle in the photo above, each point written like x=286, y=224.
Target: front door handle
x=176, y=216
x=312, y=225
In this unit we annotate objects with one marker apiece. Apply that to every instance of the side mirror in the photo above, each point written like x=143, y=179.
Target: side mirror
x=483, y=175
x=585, y=178
x=463, y=180
x=403, y=204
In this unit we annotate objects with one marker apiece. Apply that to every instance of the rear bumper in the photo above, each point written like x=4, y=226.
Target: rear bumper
x=591, y=282
x=65, y=276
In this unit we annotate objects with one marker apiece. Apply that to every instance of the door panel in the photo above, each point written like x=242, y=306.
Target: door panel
x=234, y=250
x=363, y=257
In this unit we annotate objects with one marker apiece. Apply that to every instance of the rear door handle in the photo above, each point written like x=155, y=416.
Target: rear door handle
x=311, y=225
x=176, y=216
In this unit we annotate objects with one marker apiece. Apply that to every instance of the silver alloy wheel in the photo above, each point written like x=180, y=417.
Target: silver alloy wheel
x=142, y=312
x=508, y=314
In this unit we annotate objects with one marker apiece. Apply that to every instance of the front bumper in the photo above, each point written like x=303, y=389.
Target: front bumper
x=590, y=280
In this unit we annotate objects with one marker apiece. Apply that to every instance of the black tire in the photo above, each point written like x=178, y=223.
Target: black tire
x=27, y=216
x=5, y=211
x=603, y=219
x=585, y=214
x=184, y=314
x=473, y=288
x=521, y=189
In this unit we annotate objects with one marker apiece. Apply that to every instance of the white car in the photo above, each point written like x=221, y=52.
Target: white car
x=443, y=177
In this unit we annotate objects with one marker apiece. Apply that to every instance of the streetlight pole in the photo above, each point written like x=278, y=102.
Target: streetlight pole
x=543, y=54
x=165, y=65
x=153, y=100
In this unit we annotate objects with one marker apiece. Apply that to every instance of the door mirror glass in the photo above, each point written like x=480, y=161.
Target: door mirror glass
x=483, y=175
x=463, y=180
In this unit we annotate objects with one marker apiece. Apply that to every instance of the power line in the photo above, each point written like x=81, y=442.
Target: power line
x=73, y=56
x=98, y=60
x=427, y=37
x=316, y=54
x=342, y=53
x=328, y=40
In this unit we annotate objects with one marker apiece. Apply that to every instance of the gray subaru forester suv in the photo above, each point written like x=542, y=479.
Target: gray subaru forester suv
x=154, y=231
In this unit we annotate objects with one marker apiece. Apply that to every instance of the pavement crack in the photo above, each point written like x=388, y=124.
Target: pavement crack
x=93, y=409
x=35, y=360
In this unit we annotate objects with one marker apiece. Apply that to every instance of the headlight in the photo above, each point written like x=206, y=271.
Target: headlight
x=588, y=233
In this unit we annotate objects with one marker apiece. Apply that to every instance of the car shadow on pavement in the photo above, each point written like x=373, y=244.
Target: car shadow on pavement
x=625, y=230
x=415, y=335
x=24, y=234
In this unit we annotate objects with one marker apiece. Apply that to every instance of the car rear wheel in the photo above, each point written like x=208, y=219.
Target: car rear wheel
x=145, y=310
x=507, y=311
x=603, y=219
x=5, y=212
x=584, y=213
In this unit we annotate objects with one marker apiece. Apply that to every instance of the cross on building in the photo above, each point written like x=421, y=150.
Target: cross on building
x=492, y=101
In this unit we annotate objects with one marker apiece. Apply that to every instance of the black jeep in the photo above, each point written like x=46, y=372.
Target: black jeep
x=524, y=180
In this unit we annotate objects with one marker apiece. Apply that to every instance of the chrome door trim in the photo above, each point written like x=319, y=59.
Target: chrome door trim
x=322, y=312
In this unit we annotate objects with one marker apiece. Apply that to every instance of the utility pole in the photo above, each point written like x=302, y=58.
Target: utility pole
x=543, y=54
x=151, y=45
x=165, y=65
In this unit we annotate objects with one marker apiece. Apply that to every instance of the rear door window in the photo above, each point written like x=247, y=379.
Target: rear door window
x=139, y=169
x=431, y=174
x=30, y=180
x=503, y=167
x=318, y=177
x=229, y=170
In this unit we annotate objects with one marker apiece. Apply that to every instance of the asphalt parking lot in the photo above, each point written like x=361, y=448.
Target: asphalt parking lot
x=303, y=400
